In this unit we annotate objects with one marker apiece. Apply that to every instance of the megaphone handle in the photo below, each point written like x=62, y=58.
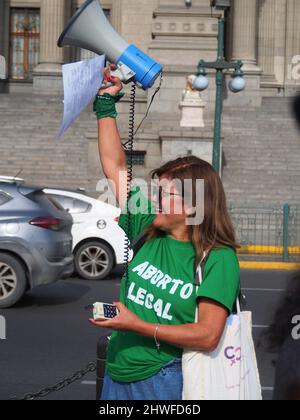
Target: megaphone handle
x=106, y=85
x=124, y=73
x=109, y=84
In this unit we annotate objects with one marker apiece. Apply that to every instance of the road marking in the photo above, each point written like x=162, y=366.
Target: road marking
x=253, y=289
x=90, y=383
x=266, y=388
x=261, y=326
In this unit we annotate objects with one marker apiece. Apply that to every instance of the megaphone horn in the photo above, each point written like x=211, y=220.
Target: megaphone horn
x=90, y=29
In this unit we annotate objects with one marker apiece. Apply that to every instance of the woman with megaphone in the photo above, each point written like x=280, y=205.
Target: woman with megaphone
x=156, y=312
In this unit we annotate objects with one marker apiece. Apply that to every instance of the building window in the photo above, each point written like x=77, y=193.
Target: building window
x=82, y=54
x=138, y=157
x=24, y=42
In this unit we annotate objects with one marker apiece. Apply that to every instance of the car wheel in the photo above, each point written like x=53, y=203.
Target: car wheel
x=12, y=280
x=94, y=261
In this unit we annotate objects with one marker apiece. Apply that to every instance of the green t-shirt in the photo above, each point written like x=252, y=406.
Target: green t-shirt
x=161, y=290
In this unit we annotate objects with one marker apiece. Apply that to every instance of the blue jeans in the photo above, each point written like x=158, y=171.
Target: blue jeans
x=166, y=385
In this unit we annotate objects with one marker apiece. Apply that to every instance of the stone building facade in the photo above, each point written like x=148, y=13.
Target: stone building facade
x=260, y=142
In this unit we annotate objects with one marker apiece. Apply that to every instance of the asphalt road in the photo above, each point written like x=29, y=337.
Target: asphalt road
x=49, y=337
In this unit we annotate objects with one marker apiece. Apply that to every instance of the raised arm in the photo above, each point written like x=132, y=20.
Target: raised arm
x=113, y=158
x=111, y=150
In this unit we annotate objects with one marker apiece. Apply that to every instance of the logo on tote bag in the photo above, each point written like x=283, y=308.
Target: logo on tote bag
x=233, y=355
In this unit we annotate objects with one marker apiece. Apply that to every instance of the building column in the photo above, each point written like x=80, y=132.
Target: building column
x=243, y=38
x=266, y=47
x=47, y=75
x=245, y=32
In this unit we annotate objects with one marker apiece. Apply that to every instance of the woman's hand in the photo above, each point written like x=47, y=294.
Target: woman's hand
x=117, y=85
x=124, y=321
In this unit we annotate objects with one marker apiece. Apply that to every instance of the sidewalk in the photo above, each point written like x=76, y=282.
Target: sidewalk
x=269, y=258
x=269, y=265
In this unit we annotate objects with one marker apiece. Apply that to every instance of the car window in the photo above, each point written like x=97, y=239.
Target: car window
x=45, y=200
x=73, y=205
x=4, y=198
x=55, y=202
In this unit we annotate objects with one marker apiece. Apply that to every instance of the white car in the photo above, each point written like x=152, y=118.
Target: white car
x=98, y=241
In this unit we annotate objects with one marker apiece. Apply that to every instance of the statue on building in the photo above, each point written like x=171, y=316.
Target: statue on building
x=192, y=106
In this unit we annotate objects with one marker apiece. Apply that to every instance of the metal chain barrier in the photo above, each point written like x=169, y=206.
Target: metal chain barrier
x=77, y=376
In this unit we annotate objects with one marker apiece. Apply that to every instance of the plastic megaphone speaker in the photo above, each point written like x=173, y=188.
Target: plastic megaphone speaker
x=90, y=29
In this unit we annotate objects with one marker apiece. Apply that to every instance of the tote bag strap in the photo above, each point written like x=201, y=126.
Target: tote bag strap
x=199, y=279
x=199, y=270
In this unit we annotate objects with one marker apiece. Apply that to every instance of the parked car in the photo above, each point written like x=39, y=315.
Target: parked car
x=35, y=240
x=98, y=240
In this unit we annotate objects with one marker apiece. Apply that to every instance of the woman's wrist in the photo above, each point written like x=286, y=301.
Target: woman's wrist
x=146, y=329
x=105, y=105
x=139, y=326
x=149, y=330
x=117, y=97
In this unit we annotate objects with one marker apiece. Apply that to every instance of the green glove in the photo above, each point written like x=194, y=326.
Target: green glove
x=105, y=105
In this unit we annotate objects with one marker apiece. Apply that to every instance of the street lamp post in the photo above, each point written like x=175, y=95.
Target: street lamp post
x=237, y=84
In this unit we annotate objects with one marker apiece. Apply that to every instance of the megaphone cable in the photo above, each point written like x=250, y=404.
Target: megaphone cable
x=129, y=147
x=148, y=109
x=129, y=182
x=151, y=102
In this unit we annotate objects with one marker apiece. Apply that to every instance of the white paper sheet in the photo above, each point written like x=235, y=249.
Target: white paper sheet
x=82, y=81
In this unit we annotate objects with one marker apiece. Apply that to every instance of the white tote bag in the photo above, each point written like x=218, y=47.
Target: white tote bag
x=228, y=373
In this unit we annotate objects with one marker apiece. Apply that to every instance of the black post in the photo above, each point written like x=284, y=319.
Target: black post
x=101, y=358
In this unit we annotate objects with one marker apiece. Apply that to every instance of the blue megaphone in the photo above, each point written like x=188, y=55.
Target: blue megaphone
x=90, y=29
